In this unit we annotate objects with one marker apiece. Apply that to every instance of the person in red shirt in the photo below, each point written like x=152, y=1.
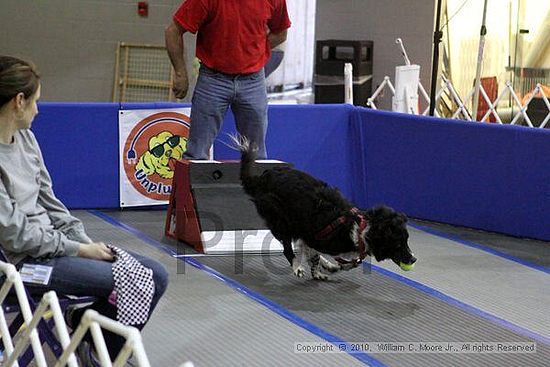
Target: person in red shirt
x=234, y=42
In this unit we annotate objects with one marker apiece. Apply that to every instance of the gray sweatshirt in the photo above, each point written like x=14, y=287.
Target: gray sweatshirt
x=33, y=222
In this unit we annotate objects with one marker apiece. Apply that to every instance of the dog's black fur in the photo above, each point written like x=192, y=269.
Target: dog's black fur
x=297, y=206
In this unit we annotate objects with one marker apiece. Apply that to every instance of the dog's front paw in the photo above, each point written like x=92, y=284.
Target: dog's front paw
x=330, y=267
x=300, y=271
x=319, y=276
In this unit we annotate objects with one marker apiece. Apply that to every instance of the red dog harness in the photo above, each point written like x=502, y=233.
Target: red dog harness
x=360, y=242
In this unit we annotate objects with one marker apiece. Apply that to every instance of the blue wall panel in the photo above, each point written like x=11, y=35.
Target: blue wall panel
x=484, y=176
x=80, y=145
x=79, y=142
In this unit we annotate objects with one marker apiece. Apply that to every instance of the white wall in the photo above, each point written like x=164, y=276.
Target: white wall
x=297, y=65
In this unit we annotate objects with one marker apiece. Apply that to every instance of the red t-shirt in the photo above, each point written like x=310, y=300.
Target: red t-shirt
x=232, y=34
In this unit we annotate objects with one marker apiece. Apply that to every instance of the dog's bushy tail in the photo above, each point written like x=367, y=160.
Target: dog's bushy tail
x=248, y=156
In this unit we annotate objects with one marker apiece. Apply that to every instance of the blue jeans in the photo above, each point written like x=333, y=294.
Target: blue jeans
x=85, y=277
x=214, y=93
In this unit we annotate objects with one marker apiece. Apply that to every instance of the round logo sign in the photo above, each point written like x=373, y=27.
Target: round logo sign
x=150, y=152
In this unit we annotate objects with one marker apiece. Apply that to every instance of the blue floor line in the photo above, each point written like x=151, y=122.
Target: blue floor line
x=463, y=306
x=478, y=246
x=281, y=311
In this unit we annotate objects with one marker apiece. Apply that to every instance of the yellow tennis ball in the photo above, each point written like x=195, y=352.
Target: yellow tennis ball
x=406, y=267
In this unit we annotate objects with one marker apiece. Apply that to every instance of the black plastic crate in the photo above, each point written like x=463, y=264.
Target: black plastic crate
x=331, y=55
x=335, y=93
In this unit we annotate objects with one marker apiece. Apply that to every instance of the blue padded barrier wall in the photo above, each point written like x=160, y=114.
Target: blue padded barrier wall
x=484, y=176
x=79, y=142
x=80, y=145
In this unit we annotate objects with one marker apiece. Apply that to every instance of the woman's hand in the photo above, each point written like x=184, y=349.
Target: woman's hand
x=96, y=250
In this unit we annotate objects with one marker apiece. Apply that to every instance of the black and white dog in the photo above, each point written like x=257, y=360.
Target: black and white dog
x=303, y=210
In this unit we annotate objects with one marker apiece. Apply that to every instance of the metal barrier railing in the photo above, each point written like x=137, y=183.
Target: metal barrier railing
x=94, y=322
x=91, y=321
x=462, y=111
x=461, y=107
x=49, y=302
x=13, y=280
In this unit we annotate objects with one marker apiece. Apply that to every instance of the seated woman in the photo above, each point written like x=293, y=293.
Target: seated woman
x=36, y=228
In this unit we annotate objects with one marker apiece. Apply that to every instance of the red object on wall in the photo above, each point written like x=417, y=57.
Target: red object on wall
x=143, y=9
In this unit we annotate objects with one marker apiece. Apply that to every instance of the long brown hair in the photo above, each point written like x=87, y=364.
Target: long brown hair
x=17, y=76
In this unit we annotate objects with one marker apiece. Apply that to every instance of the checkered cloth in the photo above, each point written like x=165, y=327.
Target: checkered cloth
x=134, y=288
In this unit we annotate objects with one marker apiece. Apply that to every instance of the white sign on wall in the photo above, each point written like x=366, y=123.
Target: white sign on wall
x=150, y=141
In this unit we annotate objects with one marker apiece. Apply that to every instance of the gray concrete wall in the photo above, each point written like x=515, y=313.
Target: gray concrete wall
x=73, y=42
x=382, y=22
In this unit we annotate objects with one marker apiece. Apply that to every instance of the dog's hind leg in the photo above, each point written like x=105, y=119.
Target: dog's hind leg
x=296, y=262
x=314, y=262
x=329, y=265
x=299, y=263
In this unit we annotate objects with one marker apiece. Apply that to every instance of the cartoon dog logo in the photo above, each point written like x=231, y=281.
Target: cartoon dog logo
x=164, y=149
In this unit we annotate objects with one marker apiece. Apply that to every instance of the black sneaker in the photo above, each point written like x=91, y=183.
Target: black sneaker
x=69, y=316
x=85, y=355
